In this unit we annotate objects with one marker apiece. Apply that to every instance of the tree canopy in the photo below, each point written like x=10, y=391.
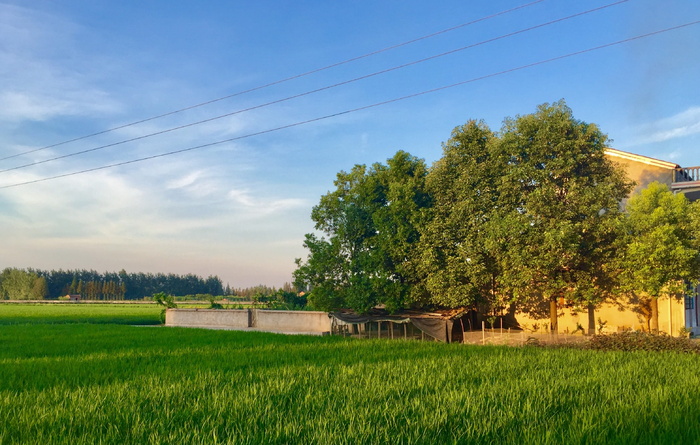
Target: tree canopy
x=662, y=253
x=527, y=216
x=92, y=285
x=370, y=226
x=563, y=197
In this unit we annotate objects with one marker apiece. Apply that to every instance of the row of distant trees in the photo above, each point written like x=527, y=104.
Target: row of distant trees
x=258, y=291
x=525, y=217
x=33, y=284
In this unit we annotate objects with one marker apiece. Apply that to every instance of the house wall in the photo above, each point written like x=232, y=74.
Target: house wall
x=644, y=174
x=616, y=319
x=254, y=319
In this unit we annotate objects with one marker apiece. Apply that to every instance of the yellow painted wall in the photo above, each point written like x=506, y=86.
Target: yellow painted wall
x=616, y=320
x=644, y=174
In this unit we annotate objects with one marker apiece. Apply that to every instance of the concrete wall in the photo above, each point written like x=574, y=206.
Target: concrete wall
x=293, y=321
x=253, y=319
x=234, y=318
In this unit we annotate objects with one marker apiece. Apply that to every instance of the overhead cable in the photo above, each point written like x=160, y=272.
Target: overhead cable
x=296, y=124
x=317, y=90
x=277, y=82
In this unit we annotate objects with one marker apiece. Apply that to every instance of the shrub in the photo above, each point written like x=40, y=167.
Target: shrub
x=641, y=341
x=165, y=300
x=213, y=304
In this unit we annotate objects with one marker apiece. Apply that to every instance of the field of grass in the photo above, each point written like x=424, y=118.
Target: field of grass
x=135, y=314
x=105, y=383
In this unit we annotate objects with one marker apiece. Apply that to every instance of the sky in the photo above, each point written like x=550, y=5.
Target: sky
x=76, y=75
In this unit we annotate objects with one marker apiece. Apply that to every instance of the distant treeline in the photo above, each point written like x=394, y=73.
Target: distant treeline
x=33, y=284
x=259, y=291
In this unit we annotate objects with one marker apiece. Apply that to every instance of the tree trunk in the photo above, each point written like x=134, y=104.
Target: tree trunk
x=553, y=322
x=591, y=319
x=654, y=315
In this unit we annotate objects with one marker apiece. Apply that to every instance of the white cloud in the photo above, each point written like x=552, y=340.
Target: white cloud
x=40, y=76
x=258, y=206
x=209, y=210
x=685, y=123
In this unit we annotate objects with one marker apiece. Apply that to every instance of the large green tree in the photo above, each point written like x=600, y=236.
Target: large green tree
x=461, y=247
x=662, y=254
x=526, y=216
x=19, y=284
x=564, y=224
x=366, y=255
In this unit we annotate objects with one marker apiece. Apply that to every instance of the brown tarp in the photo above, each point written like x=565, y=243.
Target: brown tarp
x=351, y=318
x=438, y=328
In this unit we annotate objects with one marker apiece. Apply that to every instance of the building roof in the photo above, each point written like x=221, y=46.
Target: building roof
x=639, y=158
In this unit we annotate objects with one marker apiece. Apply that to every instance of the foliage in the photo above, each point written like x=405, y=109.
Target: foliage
x=287, y=301
x=19, y=284
x=370, y=222
x=460, y=244
x=93, y=285
x=165, y=300
x=120, y=384
x=213, y=304
x=642, y=341
x=527, y=216
x=562, y=197
x=260, y=289
x=663, y=250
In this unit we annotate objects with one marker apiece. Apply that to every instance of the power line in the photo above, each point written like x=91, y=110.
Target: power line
x=324, y=88
x=277, y=82
x=377, y=104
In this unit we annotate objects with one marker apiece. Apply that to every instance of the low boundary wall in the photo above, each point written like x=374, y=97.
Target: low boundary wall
x=288, y=322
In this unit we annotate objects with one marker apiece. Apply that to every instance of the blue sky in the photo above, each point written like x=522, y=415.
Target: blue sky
x=240, y=209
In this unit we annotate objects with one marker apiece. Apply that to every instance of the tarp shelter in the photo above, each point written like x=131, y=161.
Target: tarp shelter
x=445, y=326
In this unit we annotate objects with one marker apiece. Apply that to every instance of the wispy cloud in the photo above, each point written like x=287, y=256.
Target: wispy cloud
x=683, y=124
x=36, y=83
x=263, y=206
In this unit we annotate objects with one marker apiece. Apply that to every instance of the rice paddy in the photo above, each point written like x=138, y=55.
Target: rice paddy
x=110, y=313
x=106, y=383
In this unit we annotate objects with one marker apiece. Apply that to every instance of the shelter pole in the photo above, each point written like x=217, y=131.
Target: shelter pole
x=483, y=332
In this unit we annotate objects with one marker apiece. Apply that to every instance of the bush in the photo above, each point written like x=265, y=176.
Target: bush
x=213, y=304
x=626, y=341
x=165, y=300
x=641, y=341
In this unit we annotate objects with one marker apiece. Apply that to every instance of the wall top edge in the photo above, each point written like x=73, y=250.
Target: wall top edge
x=641, y=159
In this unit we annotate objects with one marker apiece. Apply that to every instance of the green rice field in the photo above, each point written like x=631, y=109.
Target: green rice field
x=87, y=383
x=135, y=314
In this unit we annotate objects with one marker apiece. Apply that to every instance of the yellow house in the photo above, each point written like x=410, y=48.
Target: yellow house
x=674, y=315
x=644, y=170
